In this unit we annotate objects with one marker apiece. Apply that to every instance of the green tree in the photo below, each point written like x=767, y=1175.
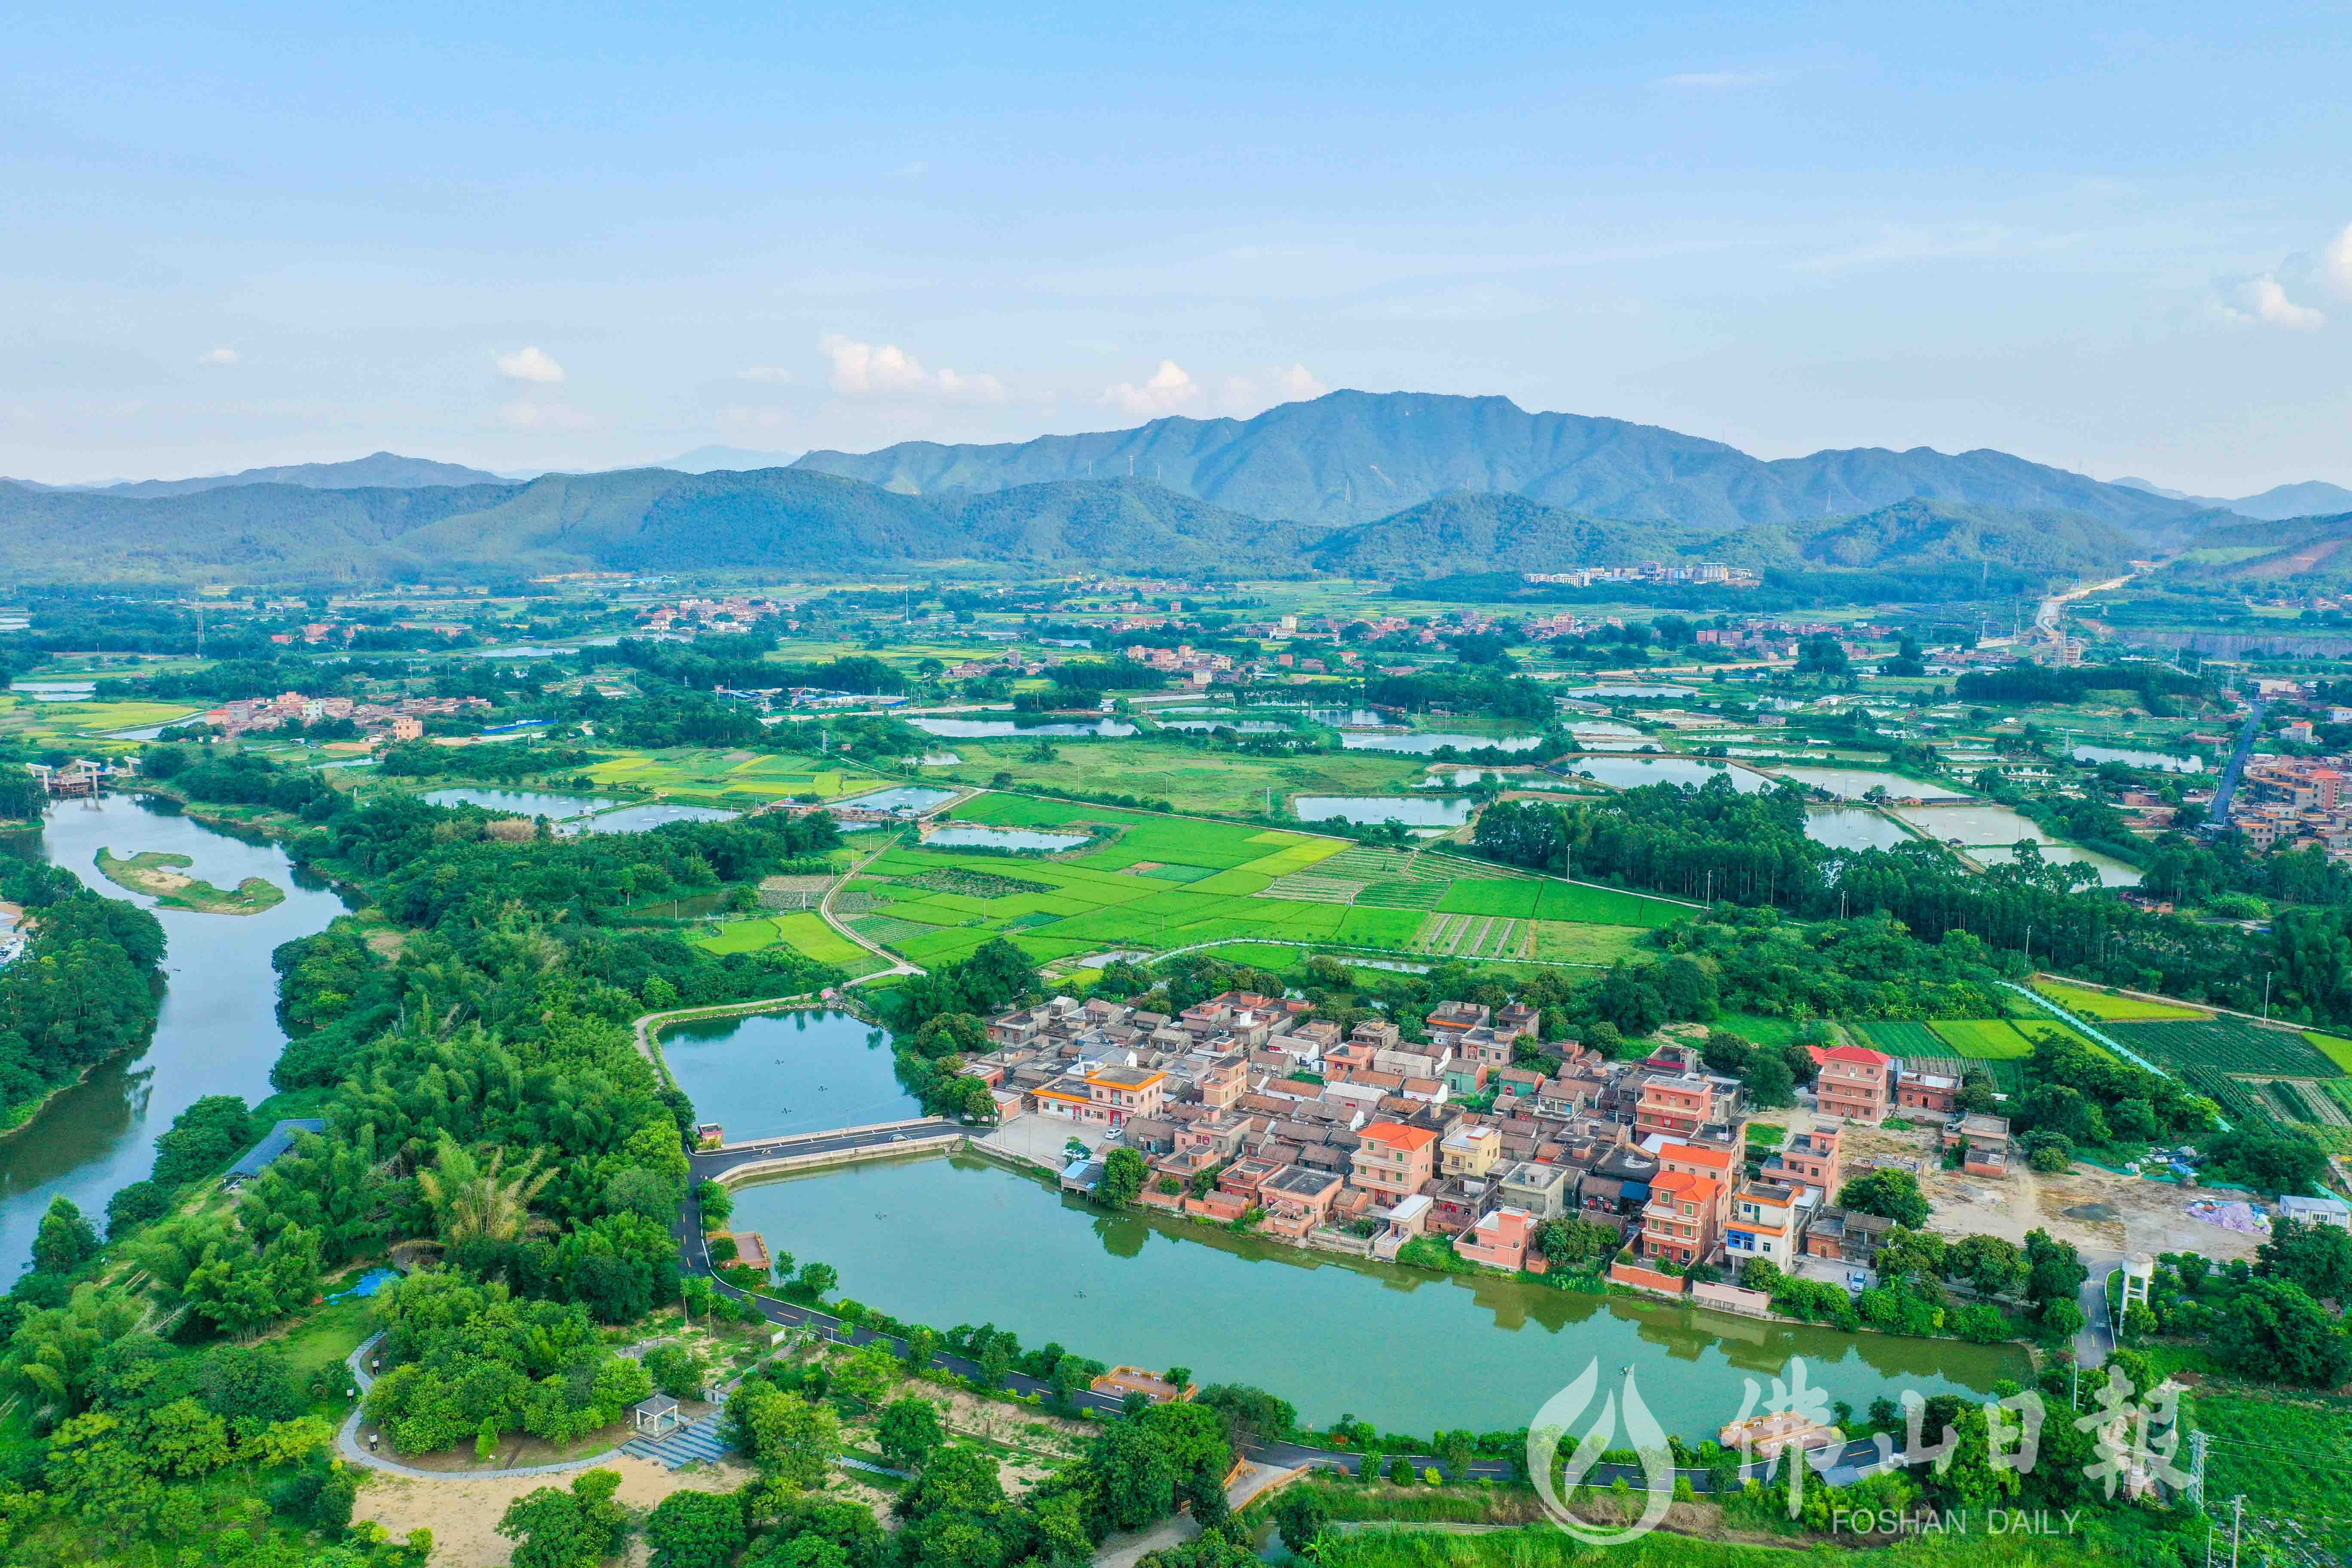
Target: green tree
x=474, y=1201
x=2318, y=1258
x=696, y=1529
x=1301, y=1515
x=909, y=1431
x=65, y=1240
x=1890, y=1194
x=1124, y=1173
x=575, y=1529
x=791, y=1441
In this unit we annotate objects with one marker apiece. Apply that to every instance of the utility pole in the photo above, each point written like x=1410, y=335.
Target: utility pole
x=2266, y=995
x=2237, y=1516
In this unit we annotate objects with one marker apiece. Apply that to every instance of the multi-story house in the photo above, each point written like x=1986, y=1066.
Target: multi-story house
x=1543, y=1192
x=1678, y=1222
x=1393, y=1161
x=1983, y=1141
x=1935, y=1093
x=1103, y=1097
x=1298, y=1200
x=1675, y=1104
x=1499, y=1239
x=1717, y=1164
x=1470, y=1148
x=1764, y=1224
x=1809, y=1160
x=1853, y=1082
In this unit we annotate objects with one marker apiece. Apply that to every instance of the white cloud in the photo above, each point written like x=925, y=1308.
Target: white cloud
x=1297, y=383
x=2336, y=262
x=914, y=170
x=768, y=373
x=543, y=416
x=528, y=364
x=886, y=371
x=1169, y=389
x=220, y=356
x=2263, y=300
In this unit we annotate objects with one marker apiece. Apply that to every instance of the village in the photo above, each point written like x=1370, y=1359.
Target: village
x=1249, y=1113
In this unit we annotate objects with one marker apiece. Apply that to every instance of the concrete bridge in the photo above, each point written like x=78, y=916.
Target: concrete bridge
x=732, y=1162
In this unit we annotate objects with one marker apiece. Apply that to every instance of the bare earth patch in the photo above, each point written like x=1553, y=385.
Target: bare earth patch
x=463, y=1514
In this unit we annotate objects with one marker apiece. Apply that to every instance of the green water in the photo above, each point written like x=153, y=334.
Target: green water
x=771, y=1074
x=949, y=1241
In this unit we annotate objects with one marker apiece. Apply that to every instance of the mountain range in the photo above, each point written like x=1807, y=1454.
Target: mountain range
x=1396, y=485
x=2312, y=498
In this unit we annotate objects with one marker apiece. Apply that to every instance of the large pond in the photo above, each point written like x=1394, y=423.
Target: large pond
x=2113, y=873
x=1853, y=784
x=1413, y=811
x=56, y=690
x=1238, y=726
x=1630, y=773
x=1853, y=827
x=976, y=729
x=1972, y=824
x=948, y=1241
x=2163, y=760
x=786, y=1072
x=1422, y=744
x=964, y=836
x=218, y=1033
x=640, y=818
x=900, y=797
x=523, y=802
x=1633, y=691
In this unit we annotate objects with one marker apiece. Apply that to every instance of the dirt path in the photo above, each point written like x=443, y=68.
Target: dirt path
x=463, y=1515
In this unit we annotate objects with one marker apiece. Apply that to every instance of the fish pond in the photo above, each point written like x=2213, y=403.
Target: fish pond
x=958, y=1240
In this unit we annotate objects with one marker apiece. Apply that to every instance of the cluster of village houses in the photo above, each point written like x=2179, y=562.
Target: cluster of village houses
x=402, y=718
x=1360, y=1142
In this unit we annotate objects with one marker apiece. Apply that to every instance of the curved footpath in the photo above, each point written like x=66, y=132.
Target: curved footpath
x=347, y=1440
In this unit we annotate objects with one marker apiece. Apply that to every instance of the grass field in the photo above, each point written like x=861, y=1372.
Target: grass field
x=2098, y=1006
x=695, y=774
x=801, y=929
x=48, y=723
x=1163, y=882
x=1560, y=941
x=1983, y=1039
x=2334, y=1047
x=1188, y=779
x=1902, y=1039
x=2227, y=1045
x=1758, y=1028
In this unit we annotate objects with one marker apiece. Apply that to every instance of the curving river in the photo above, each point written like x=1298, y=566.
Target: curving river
x=218, y=1033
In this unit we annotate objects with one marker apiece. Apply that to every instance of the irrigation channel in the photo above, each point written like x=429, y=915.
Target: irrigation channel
x=960, y=1237
x=218, y=1033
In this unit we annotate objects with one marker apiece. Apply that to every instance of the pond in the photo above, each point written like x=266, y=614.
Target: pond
x=56, y=690
x=2162, y=760
x=1634, y=691
x=1632, y=773
x=639, y=818
x=948, y=1241
x=1853, y=784
x=523, y=802
x=1349, y=717
x=1593, y=727
x=786, y=1072
x=2113, y=873
x=976, y=729
x=1413, y=811
x=1972, y=824
x=218, y=1033
x=1853, y=827
x=901, y=797
x=522, y=650
x=1422, y=744
x=1238, y=726
x=966, y=836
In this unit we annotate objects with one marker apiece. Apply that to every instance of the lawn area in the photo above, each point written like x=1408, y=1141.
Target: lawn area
x=1564, y=942
x=51, y=722
x=1188, y=779
x=1902, y=1039
x=1983, y=1039
x=1159, y=881
x=1761, y=1029
x=2098, y=1006
x=2334, y=1047
x=713, y=778
x=803, y=929
x=328, y=1334
x=2285, y=1455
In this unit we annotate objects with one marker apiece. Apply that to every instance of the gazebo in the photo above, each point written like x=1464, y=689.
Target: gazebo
x=658, y=1415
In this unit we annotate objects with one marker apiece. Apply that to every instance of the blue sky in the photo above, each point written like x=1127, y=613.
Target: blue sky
x=2114, y=238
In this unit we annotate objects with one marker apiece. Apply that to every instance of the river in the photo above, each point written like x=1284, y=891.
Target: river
x=960, y=1240
x=218, y=1033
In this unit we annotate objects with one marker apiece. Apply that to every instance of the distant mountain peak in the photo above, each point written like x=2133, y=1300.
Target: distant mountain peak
x=377, y=471
x=1351, y=458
